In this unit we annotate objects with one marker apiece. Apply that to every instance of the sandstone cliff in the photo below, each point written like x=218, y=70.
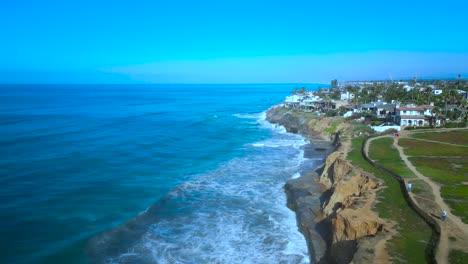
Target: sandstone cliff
x=347, y=207
x=345, y=215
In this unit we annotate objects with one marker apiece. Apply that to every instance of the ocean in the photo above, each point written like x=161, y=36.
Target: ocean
x=196, y=170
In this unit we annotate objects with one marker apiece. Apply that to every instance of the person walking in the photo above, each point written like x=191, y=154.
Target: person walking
x=444, y=215
x=410, y=185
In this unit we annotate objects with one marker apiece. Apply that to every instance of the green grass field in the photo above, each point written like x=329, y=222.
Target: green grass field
x=411, y=244
x=451, y=173
x=423, y=148
x=457, y=257
x=382, y=152
x=444, y=164
x=459, y=137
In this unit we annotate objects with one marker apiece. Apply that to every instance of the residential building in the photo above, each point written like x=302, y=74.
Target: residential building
x=436, y=91
x=293, y=100
x=346, y=96
x=415, y=115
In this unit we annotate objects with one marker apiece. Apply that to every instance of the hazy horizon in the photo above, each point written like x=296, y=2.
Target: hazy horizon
x=222, y=42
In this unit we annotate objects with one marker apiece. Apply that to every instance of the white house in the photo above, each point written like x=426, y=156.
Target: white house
x=436, y=91
x=408, y=88
x=415, y=115
x=292, y=100
x=347, y=96
x=309, y=103
x=463, y=93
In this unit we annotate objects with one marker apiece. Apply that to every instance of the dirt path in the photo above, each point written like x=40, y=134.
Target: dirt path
x=452, y=227
x=452, y=224
x=438, y=142
x=366, y=147
x=381, y=253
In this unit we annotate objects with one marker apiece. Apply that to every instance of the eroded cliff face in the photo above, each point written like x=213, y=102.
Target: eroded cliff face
x=347, y=207
x=348, y=193
x=335, y=169
x=306, y=124
x=343, y=182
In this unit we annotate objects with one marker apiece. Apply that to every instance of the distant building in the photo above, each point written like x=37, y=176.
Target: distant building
x=408, y=87
x=293, y=100
x=463, y=93
x=385, y=110
x=436, y=91
x=346, y=96
x=379, y=109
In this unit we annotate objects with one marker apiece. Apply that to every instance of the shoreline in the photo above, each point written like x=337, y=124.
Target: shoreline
x=332, y=231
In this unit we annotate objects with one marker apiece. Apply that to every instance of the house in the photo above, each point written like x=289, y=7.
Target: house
x=379, y=108
x=408, y=87
x=293, y=100
x=346, y=96
x=385, y=110
x=350, y=110
x=309, y=103
x=325, y=90
x=436, y=91
x=463, y=93
x=415, y=115
x=325, y=105
x=370, y=107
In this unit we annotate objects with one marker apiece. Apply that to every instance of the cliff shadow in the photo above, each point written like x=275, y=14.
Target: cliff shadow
x=340, y=252
x=325, y=196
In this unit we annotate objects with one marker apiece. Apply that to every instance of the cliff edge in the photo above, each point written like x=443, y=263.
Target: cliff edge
x=345, y=215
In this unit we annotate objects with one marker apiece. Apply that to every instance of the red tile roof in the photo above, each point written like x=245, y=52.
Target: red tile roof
x=417, y=108
x=412, y=117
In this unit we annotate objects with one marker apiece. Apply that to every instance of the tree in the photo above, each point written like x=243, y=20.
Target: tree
x=452, y=97
x=394, y=92
x=334, y=83
x=303, y=91
x=335, y=93
x=352, y=90
x=459, y=79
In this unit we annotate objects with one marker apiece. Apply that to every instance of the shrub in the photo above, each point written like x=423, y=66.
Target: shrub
x=455, y=124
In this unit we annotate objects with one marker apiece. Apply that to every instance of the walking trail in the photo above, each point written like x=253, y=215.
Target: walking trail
x=453, y=227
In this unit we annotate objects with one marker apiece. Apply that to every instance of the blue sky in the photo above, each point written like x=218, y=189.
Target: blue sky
x=239, y=41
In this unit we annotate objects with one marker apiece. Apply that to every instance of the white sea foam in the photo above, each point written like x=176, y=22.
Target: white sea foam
x=234, y=214
x=290, y=141
x=248, y=116
x=296, y=175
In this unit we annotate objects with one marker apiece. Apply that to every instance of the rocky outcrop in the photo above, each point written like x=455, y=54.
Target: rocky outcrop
x=307, y=124
x=350, y=224
x=346, y=214
x=347, y=208
x=344, y=183
x=335, y=170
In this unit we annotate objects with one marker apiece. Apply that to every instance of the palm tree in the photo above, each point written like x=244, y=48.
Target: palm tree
x=303, y=90
x=459, y=78
x=464, y=108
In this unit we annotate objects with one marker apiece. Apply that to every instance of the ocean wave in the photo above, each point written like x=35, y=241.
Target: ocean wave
x=235, y=213
x=248, y=116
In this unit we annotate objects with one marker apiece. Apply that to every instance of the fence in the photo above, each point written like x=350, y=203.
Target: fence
x=434, y=242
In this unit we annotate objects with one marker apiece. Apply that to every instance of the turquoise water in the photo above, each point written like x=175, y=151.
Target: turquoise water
x=77, y=161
